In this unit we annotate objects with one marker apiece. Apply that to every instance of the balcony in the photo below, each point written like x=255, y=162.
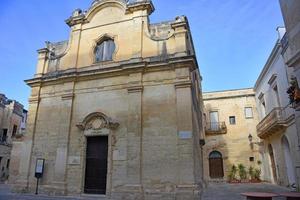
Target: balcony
x=215, y=128
x=277, y=120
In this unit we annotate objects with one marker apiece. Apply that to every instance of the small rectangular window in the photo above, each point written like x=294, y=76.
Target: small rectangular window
x=232, y=120
x=251, y=159
x=248, y=112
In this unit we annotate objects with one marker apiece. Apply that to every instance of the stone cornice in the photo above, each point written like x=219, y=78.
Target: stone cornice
x=114, y=69
x=69, y=96
x=183, y=84
x=135, y=89
x=34, y=100
x=275, y=52
x=294, y=59
x=141, y=5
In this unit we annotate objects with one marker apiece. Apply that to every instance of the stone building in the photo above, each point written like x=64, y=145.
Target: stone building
x=11, y=116
x=277, y=125
x=115, y=110
x=231, y=117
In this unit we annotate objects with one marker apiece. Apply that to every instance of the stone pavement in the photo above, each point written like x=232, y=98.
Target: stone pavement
x=6, y=194
x=212, y=192
x=232, y=191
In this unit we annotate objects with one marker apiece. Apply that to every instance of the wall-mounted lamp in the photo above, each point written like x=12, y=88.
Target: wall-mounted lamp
x=250, y=138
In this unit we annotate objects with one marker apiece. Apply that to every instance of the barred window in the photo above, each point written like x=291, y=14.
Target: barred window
x=104, y=50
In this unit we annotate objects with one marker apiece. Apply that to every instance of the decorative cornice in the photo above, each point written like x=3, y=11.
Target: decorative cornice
x=183, y=84
x=69, y=96
x=135, y=89
x=117, y=68
x=33, y=100
x=140, y=5
x=294, y=59
x=272, y=79
x=107, y=122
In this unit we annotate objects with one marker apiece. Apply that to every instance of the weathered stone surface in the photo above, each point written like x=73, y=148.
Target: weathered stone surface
x=141, y=100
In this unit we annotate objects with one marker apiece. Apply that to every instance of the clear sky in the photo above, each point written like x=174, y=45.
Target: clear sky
x=233, y=38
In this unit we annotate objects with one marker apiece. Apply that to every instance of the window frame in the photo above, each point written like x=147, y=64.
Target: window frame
x=232, y=117
x=245, y=112
x=103, y=42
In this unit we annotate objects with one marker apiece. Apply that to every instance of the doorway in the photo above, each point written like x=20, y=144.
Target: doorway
x=96, y=165
x=273, y=165
x=216, y=165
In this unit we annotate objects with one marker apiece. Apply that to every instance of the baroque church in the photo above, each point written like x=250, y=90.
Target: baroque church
x=116, y=109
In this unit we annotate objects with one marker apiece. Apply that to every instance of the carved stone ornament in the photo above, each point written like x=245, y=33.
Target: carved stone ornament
x=97, y=121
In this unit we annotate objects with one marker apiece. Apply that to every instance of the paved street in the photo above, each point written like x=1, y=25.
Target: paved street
x=213, y=192
x=232, y=191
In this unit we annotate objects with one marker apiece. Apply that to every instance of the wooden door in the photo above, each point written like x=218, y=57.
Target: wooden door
x=216, y=165
x=96, y=165
x=273, y=165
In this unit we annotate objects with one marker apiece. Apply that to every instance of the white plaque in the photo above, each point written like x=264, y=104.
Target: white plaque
x=74, y=160
x=185, y=134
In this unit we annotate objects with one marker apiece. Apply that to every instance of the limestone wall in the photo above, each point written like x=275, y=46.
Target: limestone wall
x=234, y=145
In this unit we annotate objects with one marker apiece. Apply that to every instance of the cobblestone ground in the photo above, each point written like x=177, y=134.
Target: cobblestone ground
x=233, y=191
x=213, y=192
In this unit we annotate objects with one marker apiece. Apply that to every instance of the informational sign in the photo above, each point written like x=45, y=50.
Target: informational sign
x=39, y=168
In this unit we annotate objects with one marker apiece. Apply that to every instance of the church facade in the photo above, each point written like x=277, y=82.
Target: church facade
x=115, y=110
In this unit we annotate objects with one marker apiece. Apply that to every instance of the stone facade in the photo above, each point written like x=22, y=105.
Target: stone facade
x=146, y=100
x=11, y=116
x=228, y=132
x=277, y=126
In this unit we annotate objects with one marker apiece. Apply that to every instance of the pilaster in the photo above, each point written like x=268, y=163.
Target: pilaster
x=60, y=167
x=134, y=133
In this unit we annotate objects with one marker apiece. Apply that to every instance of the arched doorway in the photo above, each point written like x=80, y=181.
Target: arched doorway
x=288, y=161
x=273, y=165
x=216, y=165
x=98, y=131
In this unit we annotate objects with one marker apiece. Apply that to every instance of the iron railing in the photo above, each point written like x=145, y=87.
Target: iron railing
x=216, y=128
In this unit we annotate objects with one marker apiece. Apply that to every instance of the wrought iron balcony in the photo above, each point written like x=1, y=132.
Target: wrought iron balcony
x=277, y=120
x=215, y=128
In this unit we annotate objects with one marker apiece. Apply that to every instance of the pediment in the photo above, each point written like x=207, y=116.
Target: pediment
x=106, y=11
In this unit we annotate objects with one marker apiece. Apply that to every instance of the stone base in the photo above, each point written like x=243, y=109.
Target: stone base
x=183, y=192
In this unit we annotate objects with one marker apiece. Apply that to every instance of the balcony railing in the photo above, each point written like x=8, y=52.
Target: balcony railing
x=277, y=120
x=215, y=128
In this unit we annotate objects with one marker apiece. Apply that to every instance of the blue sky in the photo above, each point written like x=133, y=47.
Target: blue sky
x=233, y=38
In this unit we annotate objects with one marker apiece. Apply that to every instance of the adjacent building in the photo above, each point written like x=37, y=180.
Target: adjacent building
x=117, y=109
x=277, y=123
x=11, y=117
x=231, y=119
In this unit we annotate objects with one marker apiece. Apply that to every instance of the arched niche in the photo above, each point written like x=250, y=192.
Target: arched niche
x=97, y=124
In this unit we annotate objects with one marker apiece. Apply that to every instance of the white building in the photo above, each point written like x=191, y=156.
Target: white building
x=277, y=129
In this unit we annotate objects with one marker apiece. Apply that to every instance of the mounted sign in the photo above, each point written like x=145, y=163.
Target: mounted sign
x=39, y=168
